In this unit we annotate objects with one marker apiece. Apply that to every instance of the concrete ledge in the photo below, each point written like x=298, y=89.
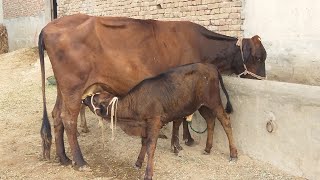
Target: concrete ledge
x=294, y=145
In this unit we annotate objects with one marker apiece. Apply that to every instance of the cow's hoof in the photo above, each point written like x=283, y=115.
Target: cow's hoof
x=78, y=134
x=85, y=168
x=189, y=142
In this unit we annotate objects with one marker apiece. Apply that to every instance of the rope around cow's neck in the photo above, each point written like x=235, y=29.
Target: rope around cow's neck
x=113, y=115
x=245, y=72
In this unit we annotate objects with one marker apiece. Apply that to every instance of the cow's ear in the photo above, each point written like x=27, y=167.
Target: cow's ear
x=255, y=43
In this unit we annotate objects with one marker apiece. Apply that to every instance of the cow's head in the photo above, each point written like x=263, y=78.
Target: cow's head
x=254, y=57
x=98, y=103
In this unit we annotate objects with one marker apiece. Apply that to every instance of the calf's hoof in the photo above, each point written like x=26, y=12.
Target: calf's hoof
x=138, y=165
x=85, y=130
x=206, y=152
x=233, y=159
x=176, y=148
x=189, y=142
x=147, y=177
x=65, y=161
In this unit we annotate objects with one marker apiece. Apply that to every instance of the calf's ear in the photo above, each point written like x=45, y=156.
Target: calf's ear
x=103, y=110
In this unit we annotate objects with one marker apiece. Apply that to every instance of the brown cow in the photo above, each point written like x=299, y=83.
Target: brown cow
x=119, y=52
x=156, y=101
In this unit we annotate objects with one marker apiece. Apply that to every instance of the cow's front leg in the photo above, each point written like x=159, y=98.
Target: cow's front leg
x=153, y=128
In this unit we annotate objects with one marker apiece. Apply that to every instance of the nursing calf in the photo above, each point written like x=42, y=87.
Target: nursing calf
x=154, y=102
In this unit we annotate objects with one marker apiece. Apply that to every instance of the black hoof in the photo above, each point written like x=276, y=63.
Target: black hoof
x=65, y=162
x=85, y=130
x=189, y=142
x=138, y=165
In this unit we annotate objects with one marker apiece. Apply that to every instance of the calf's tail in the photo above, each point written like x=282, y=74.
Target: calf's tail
x=45, y=127
x=229, y=108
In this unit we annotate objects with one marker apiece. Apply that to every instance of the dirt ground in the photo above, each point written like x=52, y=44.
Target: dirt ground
x=20, y=142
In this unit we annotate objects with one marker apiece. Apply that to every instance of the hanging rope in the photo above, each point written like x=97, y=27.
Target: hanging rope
x=113, y=115
x=199, y=132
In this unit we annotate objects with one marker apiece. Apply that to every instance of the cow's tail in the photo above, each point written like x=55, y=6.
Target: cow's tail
x=229, y=108
x=45, y=127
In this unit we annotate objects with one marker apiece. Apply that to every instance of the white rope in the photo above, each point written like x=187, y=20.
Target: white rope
x=113, y=115
x=245, y=72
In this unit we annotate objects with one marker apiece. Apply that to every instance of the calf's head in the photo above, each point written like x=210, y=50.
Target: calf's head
x=98, y=103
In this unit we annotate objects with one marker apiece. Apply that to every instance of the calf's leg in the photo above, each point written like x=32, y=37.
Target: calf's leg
x=153, y=128
x=189, y=141
x=226, y=124
x=175, y=136
x=207, y=114
x=142, y=153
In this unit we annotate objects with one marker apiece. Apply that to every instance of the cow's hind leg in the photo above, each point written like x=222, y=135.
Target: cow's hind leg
x=83, y=125
x=58, y=131
x=70, y=112
x=175, y=136
x=207, y=114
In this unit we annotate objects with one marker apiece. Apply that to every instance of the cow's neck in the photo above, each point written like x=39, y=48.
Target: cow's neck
x=225, y=58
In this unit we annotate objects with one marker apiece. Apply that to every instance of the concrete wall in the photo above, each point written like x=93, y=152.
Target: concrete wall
x=1, y=12
x=294, y=146
x=23, y=32
x=291, y=32
x=223, y=16
x=24, y=21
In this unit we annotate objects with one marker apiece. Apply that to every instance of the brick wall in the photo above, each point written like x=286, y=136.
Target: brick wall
x=22, y=8
x=223, y=16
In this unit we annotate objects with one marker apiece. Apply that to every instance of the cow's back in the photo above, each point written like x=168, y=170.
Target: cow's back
x=117, y=51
